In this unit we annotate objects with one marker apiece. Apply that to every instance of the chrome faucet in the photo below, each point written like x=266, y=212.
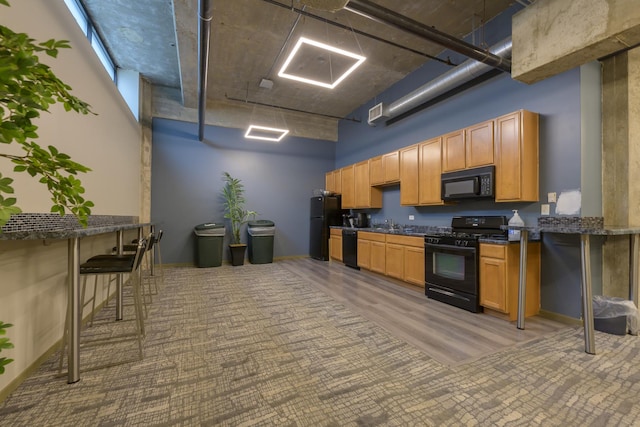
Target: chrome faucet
x=389, y=223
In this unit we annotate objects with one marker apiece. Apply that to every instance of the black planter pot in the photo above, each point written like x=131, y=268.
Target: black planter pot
x=237, y=253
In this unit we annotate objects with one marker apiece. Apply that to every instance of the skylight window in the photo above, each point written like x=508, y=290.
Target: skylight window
x=319, y=64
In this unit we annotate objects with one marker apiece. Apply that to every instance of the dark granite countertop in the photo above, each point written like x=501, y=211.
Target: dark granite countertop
x=56, y=227
x=422, y=230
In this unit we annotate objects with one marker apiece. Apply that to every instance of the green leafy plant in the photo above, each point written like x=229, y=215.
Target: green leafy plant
x=27, y=88
x=4, y=345
x=234, y=201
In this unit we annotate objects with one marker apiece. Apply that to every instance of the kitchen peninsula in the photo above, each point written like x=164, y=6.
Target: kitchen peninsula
x=585, y=227
x=54, y=227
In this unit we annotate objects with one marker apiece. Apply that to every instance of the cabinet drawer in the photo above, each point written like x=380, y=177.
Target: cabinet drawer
x=417, y=242
x=335, y=232
x=493, y=251
x=375, y=237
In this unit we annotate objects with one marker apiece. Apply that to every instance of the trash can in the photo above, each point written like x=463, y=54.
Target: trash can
x=261, y=234
x=210, y=237
x=615, y=315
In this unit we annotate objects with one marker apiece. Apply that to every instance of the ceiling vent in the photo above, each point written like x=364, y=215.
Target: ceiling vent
x=376, y=114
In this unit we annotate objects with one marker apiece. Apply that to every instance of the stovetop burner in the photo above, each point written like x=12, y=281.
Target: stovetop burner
x=466, y=230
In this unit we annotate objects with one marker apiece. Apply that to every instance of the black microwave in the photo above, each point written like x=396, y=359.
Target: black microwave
x=469, y=184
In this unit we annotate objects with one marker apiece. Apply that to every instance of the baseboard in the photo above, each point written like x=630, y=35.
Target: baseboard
x=560, y=318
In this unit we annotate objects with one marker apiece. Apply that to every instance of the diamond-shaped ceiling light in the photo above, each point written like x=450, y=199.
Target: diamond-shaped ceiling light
x=265, y=133
x=319, y=64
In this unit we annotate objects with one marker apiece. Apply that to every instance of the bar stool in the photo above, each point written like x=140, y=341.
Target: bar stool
x=109, y=265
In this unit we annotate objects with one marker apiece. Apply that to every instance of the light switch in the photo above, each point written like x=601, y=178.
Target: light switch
x=544, y=209
x=551, y=197
x=411, y=217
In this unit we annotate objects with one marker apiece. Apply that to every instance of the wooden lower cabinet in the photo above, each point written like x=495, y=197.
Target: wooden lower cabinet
x=369, y=253
x=400, y=257
x=499, y=276
x=335, y=244
x=405, y=258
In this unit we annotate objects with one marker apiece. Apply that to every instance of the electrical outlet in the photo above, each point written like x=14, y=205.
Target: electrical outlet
x=411, y=217
x=551, y=197
x=544, y=209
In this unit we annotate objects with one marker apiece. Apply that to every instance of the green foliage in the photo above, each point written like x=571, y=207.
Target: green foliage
x=28, y=87
x=233, y=195
x=4, y=342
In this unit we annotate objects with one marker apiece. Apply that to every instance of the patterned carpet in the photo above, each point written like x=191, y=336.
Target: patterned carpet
x=257, y=345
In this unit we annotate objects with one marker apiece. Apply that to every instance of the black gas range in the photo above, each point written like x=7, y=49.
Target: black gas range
x=451, y=260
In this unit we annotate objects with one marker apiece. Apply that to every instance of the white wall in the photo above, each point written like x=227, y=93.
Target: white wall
x=33, y=274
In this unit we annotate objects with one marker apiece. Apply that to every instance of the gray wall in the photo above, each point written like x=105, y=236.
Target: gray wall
x=187, y=182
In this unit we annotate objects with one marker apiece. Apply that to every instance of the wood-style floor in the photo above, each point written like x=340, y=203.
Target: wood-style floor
x=446, y=333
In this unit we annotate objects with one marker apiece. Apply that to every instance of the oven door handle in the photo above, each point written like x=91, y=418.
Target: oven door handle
x=439, y=247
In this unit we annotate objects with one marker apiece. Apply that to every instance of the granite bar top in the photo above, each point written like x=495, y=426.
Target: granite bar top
x=39, y=226
x=576, y=225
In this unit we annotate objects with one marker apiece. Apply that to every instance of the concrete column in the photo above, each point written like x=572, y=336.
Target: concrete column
x=145, y=115
x=620, y=163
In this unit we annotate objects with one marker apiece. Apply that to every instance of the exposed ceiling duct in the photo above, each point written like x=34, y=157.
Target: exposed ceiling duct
x=388, y=17
x=446, y=82
x=204, y=36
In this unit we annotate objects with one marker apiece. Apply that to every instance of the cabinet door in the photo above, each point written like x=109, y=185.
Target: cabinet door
x=453, y=151
x=493, y=283
x=335, y=248
x=364, y=254
x=517, y=157
x=376, y=174
x=391, y=167
x=414, y=265
x=378, y=250
x=395, y=260
x=362, y=186
x=409, y=176
x=348, y=187
x=479, y=144
x=430, y=171
x=329, y=181
x=337, y=181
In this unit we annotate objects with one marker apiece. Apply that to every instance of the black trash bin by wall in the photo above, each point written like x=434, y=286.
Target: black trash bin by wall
x=261, y=234
x=210, y=238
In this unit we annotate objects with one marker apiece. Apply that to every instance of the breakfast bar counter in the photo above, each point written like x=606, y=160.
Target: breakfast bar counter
x=585, y=230
x=55, y=227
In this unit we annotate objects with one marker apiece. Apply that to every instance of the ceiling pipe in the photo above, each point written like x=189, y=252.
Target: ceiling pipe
x=446, y=82
x=205, y=15
x=388, y=17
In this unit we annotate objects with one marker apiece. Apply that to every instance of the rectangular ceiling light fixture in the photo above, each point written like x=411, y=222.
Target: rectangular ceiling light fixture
x=265, y=133
x=307, y=54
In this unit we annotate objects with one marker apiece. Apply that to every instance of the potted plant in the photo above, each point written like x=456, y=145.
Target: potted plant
x=27, y=88
x=4, y=344
x=234, y=201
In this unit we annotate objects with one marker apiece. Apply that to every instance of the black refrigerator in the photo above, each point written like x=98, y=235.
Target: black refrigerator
x=325, y=212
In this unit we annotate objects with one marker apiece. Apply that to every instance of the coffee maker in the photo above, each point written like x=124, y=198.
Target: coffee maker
x=357, y=220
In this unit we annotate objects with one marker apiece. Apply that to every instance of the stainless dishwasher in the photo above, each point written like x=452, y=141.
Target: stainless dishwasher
x=350, y=248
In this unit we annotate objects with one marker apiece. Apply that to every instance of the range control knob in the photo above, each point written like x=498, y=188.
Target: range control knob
x=462, y=242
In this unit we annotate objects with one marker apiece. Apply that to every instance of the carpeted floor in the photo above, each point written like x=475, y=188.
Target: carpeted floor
x=257, y=345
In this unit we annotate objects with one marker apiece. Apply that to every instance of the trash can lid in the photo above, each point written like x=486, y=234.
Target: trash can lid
x=261, y=223
x=209, y=225
x=261, y=231
x=209, y=229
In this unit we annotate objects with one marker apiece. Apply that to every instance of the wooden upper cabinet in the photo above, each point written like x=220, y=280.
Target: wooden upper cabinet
x=453, y=151
x=348, y=187
x=516, y=157
x=479, y=144
x=333, y=181
x=391, y=167
x=409, y=176
x=385, y=169
x=429, y=173
x=366, y=196
x=376, y=175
